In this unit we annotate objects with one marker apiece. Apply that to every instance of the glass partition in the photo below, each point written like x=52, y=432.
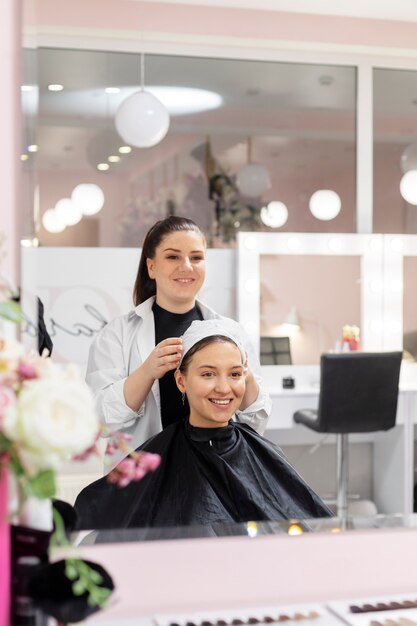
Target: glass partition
x=296, y=121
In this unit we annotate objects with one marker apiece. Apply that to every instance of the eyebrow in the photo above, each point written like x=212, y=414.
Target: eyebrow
x=213, y=367
x=175, y=250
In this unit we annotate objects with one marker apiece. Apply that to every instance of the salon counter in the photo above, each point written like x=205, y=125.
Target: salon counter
x=244, y=573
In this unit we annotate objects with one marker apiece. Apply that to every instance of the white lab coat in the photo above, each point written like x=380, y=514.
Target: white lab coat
x=120, y=348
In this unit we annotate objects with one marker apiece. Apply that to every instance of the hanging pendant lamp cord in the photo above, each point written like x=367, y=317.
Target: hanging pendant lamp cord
x=142, y=71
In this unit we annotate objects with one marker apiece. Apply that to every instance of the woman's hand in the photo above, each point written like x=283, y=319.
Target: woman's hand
x=252, y=389
x=164, y=357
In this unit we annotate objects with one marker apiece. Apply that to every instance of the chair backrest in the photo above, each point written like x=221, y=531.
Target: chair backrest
x=358, y=391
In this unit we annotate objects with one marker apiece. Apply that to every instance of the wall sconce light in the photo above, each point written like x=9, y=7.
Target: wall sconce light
x=291, y=323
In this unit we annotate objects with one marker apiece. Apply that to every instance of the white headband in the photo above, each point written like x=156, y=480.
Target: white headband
x=207, y=328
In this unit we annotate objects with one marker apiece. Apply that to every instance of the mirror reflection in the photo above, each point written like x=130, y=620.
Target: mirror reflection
x=268, y=116
x=295, y=304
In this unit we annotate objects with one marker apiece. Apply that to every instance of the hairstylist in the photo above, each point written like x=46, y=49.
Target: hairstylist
x=132, y=360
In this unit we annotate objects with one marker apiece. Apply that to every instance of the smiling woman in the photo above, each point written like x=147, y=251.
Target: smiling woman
x=132, y=360
x=213, y=469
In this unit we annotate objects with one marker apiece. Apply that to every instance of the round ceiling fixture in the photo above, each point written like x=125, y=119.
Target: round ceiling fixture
x=408, y=159
x=88, y=198
x=142, y=120
x=408, y=186
x=274, y=214
x=68, y=212
x=325, y=204
x=52, y=222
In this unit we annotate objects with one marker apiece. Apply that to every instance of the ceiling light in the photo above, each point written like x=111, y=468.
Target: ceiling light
x=24, y=157
x=33, y=148
x=142, y=120
x=325, y=204
x=27, y=87
x=103, y=167
x=112, y=89
x=408, y=186
x=68, y=212
x=89, y=198
x=113, y=158
x=274, y=214
x=252, y=179
x=408, y=159
x=125, y=149
x=326, y=80
x=185, y=100
x=52, y=222
x=55, y=87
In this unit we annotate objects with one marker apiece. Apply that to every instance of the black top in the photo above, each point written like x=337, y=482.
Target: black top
x=169, y=324
x=206, y=476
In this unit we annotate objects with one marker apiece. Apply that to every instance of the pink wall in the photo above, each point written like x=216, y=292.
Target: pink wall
x=226, y=22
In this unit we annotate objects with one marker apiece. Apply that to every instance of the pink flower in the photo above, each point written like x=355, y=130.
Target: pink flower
x=26, y=371
x=7, y=399
x=134, y=467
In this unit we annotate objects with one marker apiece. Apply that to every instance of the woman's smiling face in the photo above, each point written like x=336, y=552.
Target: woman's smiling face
x=214, y=383
x=179, y=269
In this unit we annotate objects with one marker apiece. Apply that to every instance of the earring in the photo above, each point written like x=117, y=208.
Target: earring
x=183, y=397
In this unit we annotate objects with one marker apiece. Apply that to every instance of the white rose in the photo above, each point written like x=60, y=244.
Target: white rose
x=53, y=421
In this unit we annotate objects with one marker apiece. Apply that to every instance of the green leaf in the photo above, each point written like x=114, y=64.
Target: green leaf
x=71, y=571
x=95, y=577
x=43, y=484
x=12, y=312
x=78, y=588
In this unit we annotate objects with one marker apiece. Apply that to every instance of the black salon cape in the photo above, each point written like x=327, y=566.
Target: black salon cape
x=207, y=475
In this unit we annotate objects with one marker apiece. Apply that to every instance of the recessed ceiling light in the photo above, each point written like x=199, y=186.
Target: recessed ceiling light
x=24, y=157
x=33, y=147
x=55, y=87
x=326, y=79
x=27, y=87
x=125, y=149
x=113, y=158
x=112, y=89
x=102, y=167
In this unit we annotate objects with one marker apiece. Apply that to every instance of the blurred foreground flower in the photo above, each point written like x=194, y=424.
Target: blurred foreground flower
x=133, y=467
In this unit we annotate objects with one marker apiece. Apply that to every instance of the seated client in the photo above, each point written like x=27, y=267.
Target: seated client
x=213, y=469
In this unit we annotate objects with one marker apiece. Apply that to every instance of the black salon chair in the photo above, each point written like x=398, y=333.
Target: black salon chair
x=358, y=394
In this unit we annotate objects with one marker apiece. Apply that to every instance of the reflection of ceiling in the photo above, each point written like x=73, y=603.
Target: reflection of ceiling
x=273, y=101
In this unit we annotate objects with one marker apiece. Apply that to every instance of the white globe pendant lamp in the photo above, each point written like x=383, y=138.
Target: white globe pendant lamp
x=325, y=204
x=408, y=183
x=88, y=198
x=252, y=179
x=68, y=212
x=274, y=214
x=142, y=120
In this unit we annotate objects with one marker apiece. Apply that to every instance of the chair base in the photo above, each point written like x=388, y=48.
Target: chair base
x=342, y=475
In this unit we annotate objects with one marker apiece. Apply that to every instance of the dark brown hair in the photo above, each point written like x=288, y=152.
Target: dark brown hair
x=145, y=287
x=200, y=345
